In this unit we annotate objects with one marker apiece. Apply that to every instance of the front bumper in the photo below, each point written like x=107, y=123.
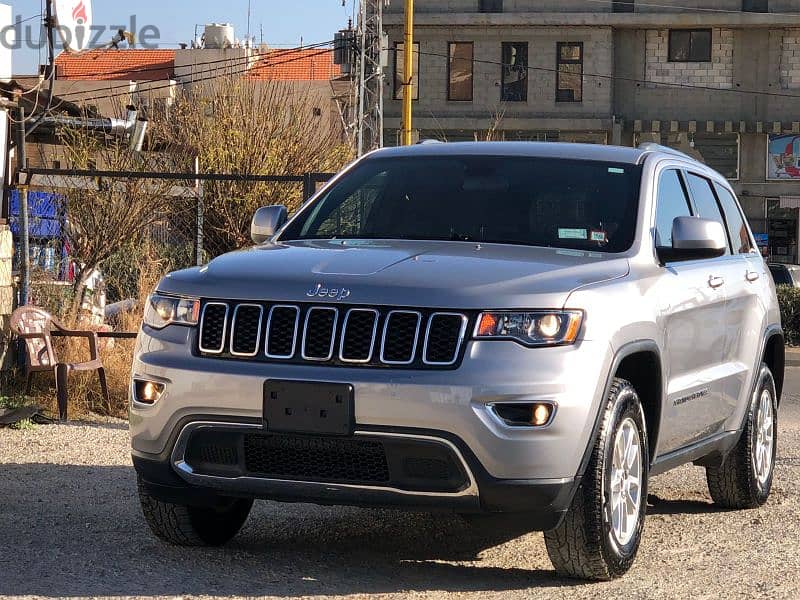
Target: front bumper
x=178, y=479
x=514, y=469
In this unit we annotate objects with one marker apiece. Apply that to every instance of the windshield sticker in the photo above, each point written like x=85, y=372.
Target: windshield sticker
x=616, y=170
x=599, y=236
x=572, y=234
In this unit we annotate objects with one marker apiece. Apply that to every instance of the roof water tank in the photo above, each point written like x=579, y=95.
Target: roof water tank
x=219, y=36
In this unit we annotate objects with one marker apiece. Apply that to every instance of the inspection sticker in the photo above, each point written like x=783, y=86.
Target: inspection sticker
x=572, y=234
x=598, y=236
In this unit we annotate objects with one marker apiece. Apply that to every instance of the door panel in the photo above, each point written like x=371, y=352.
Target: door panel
x=692, y=312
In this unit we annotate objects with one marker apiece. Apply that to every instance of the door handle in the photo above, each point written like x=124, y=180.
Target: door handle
x=716, y=282
x=752, y=276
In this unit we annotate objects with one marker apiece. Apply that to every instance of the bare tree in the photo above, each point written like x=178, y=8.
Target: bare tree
x=248, y=127
x=105, y=217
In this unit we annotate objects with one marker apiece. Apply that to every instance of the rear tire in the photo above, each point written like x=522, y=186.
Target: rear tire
x=600, y=534
x=744, y=479
x=184, y=525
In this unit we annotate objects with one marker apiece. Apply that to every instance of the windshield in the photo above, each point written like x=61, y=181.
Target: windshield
x=582, y=205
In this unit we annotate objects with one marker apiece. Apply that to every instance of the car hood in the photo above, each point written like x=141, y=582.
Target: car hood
x=399, y=273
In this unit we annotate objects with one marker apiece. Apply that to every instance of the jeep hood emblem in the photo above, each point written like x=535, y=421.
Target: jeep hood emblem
x=321, y=291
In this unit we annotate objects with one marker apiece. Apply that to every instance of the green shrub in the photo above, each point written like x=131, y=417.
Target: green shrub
x=789, y=300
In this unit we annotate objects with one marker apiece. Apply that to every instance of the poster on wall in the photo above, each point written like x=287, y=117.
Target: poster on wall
x=783, y=156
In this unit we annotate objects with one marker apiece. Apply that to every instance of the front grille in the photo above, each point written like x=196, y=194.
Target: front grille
x=246, y=330
x=213, y=327
x=319, y=333
x=316, y=459
x=352, y=336
x=445, y=331
x=358, y=338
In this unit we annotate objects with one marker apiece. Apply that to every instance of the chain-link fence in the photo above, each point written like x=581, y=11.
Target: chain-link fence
x=89, y=235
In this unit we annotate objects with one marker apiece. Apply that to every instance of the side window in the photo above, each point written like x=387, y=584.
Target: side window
x=671, y=203
x=737, y=229
x=705, y=200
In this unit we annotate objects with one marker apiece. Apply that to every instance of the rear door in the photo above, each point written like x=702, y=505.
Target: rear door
x=690, y=296
x=746, y=312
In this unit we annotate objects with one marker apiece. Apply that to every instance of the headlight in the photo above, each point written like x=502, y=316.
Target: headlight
x=167, y=310
x=531, y=328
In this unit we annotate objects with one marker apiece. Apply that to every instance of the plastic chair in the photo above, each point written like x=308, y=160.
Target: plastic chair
x=36, y=327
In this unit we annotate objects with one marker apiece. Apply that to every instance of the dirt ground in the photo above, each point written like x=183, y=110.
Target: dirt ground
x=70, y=525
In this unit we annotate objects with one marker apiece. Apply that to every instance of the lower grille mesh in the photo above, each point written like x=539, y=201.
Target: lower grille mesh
x=316, y=459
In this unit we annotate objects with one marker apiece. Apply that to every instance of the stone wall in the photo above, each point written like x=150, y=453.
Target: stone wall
x=715, y=74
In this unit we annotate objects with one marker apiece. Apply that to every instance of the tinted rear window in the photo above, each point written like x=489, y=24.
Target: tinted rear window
x=584, y=205
x=781, y=275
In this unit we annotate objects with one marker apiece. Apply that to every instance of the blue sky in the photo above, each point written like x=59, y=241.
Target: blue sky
x=285, y=23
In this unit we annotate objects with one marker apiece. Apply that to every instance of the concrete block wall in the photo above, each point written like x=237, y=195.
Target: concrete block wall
x=790, y=59
x=716, y=74
x=598, y=59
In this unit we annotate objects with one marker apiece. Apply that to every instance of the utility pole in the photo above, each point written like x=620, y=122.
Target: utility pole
x=408, y=74
x=370, y=76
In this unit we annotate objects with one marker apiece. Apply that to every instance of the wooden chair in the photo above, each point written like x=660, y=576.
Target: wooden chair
x=37, y=327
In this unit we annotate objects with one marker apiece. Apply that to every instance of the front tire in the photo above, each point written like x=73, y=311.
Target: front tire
x=744, y=479
x=600, y=534
x=184, y=525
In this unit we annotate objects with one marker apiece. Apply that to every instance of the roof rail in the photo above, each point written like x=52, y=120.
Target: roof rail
x=653, y=147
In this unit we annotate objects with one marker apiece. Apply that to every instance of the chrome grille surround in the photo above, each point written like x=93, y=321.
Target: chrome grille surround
x=339, y=336
x=224, y=328
x=267, y=338
x=309, y=314
x=257, y=344
x=376, y=318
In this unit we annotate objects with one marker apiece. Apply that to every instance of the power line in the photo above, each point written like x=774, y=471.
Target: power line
x=691, y=8
x=203, y=63
x=243, y=61
x=628, y=79
x=215, y=76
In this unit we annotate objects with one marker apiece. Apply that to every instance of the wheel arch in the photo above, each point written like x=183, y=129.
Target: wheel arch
x=646, y=356
x=774, y=355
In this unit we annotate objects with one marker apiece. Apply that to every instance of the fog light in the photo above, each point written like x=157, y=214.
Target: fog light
x=147, y=392
x=534, y=414
x=541, y=414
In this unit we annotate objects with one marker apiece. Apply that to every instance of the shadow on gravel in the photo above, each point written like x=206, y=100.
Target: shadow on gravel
x=78, y=531
x=657, y=506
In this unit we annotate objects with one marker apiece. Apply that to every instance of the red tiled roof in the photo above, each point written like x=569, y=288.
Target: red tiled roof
x=296, y=65
x=117, y=65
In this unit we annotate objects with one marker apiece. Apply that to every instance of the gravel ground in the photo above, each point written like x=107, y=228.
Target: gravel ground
x=70, y=525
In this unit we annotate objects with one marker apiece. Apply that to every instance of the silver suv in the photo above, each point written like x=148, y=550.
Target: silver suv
x=483, y=328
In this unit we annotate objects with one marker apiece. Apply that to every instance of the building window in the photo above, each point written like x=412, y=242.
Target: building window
x=690, y=45
x=622, y=6
x=761, y=6
x=459, y=71
x=490, y=6
x=399, y=57
x=515, y=72
x=569, y=75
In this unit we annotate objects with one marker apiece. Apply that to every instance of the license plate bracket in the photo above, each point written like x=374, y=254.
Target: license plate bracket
x=309, y=407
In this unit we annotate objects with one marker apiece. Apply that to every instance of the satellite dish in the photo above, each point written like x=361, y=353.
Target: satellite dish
x=74, y=22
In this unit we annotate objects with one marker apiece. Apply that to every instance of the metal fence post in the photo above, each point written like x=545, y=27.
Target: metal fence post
x=308, y=186
x=200, y=209
x=24, y=230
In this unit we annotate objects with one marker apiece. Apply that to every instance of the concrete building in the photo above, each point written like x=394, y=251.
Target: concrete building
x=719, y=80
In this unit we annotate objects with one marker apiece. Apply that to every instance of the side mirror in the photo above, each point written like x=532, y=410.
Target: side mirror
x=694, y=239
x=266, y=221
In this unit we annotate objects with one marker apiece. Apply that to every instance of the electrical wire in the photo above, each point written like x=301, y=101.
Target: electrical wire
x=622, y=78
x=216, y=75
x=690, y=8
x=233, y=62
